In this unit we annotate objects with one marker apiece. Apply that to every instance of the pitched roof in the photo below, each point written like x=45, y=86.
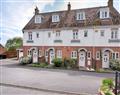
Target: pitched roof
x=68, y=19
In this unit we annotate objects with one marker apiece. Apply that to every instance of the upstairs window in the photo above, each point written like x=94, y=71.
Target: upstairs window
x=49, y=34
x=29, y=36
x=85, y=33
x=74, y=54
x=114, y=34
x=81, y=16
x=55, y=18
x=37, y=19
x=75, y=34
x=37, y=35
x=102, y=33
x=57, y=33
x=104, y=13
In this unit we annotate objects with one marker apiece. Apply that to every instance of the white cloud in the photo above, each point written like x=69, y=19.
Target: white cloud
x=77, y=4
x=17, y=14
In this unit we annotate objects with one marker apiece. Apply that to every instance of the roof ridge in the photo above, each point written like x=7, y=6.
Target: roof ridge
x=72, y=10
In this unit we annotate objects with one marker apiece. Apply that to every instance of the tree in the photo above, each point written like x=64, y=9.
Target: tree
x=13, y=44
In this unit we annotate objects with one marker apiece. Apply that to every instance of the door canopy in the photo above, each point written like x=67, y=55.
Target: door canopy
x=82, y=49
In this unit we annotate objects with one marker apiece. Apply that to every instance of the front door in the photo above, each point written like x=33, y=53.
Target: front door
x=52, y=56
x=105, y=60
x=82, y=59
x=35, y=56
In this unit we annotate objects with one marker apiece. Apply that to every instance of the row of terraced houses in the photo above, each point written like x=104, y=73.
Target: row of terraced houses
x=90, y=35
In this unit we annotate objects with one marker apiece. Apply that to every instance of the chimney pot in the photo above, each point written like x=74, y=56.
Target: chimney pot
x=110, y=3
x=36, y=10
x=69, y=6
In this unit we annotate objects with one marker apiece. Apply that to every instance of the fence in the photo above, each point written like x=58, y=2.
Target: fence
x=117, y=83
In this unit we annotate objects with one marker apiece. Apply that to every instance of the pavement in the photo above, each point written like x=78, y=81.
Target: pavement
x=50, y=80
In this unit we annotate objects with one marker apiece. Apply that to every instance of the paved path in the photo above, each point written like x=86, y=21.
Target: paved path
x=51, y=79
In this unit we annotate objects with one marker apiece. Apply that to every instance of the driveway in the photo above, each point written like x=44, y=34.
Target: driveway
x=51, y=79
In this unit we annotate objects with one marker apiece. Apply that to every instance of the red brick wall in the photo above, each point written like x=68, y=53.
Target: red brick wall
x=66, y=52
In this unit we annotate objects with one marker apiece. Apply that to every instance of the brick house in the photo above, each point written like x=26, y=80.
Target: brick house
x=2, y=52
x=90, y=35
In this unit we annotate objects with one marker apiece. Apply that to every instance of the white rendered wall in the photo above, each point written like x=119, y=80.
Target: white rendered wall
x=93, y=39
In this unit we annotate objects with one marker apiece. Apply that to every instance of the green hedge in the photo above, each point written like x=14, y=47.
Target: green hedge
x=57, y=62
x=115, y=64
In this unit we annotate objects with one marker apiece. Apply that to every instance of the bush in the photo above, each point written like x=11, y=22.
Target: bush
x=115, y=64
x=108, y=82
x=25, y=60
x=57, y=62
x=70, y=63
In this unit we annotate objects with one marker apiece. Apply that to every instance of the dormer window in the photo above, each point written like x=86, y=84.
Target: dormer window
x=37, y=19
x=80, y=16
x=104, y=13
x=55, y=18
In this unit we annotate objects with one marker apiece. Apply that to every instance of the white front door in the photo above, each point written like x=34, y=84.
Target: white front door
x=105, y=60
x=82, y=59
x=52, y=56
x=35, y=56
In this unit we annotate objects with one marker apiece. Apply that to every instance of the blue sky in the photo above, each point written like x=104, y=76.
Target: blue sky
x=14, y=14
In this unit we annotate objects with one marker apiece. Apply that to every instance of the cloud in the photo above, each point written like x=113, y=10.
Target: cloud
x=16, y=14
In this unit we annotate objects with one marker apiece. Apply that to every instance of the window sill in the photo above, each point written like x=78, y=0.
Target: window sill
x=57, y=41
x=30, y=41
x=114, y=40
x=75, y=41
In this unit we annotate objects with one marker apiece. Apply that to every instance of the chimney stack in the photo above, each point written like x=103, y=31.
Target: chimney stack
x=110, y=3
x=69, y=6
x=36, y=10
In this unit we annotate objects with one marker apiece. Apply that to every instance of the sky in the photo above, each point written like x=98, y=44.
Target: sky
x=14, y=14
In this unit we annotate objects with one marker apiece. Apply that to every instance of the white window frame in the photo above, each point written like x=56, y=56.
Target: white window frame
x=37, y=35
x=98, y=55
x=55, y=18
x=74, y=54
x=59, y=53
x=38, y=19
x=114, y=34
x=114, y=55
x=75, y=34
x=46, y=53
x=80, y=16
x=49, y=34
x=102, y=33
x=58, y=33
x=104, y=13
x=89, y=55
x=40, y=53
x=29, y=52
x=86, y=33
x=30, y=36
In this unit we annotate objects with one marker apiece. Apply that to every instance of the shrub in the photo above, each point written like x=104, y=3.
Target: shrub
x=25, y=60
x=70, y=63
x=115, y=64
x=108, y=82
x=57, y=62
